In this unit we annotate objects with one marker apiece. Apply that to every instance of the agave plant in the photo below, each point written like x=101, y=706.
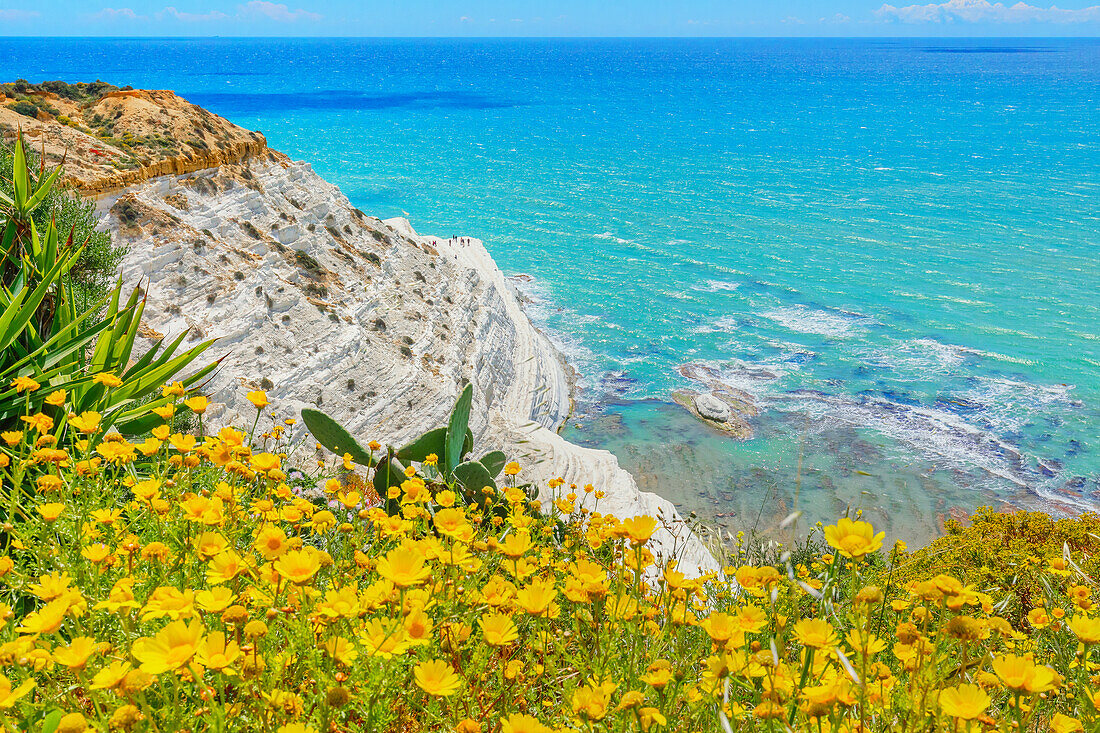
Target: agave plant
x=44, y=336
x=451, y=445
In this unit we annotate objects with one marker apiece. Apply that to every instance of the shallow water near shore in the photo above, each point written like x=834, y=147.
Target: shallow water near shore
x=891, y=246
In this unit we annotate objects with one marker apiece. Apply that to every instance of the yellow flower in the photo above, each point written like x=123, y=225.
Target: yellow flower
x=853, y=539
x=658, y=674
x=12, y=437
x=451, y=521
x=77, y=653
x=271, y=542
x=197, y=404
x=520, y=723
x=342, y=650
x=96, y=553
x=966, y=702
x=9, y=695
x=175, y=389
x=50, y=512
x=721, y=628
x=815, y=632
x=404, y=566
x=258, y=398
x=57, y=398
x=639, y=529
x=1021, y=674
x=117, y=452
x=436, y=678
x=298, y=566
x=1086, y=628
x=72, y=723
x=383, y=639
x=47, y=619
x=1038, y=618
x=1064, y=724
x=511, y=469
x=41, y=423
x=536, y=598
x=265, y=462
x=214, y=600
x=111, y=675
x=107, y=379
x=24, y=384
x=86, y=422
x=590, y=702
x=215, y=653
x=169, y=649
x=498, y=629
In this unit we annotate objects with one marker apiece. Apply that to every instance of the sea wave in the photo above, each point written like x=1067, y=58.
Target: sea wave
x=830, y=323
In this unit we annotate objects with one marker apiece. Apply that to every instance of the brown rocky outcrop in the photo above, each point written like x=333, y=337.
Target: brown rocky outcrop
x=123, y=138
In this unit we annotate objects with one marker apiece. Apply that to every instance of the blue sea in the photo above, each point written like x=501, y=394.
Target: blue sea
x=891, y=247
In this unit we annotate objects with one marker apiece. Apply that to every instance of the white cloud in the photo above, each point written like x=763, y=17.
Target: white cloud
x=277, y=11
x=117, y=14
x=464, y=19
x=174, y=14
x=983, y=11
x=16, y=15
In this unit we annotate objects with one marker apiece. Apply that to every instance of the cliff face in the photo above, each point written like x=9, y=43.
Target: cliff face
x=324, y=306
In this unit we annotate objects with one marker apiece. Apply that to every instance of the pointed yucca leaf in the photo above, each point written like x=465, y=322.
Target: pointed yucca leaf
x=50, y=245
x=43, y=190
x=456, y=429
x=139, y=418
x=154, y=354
x=20, y=174
x=433, y=441
x=494, y=462
x=334, y=437
x=11, y=311
x=28, y=309
x=473, y=475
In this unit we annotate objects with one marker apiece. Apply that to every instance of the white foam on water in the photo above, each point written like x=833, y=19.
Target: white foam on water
x=935, y=433
x=918, y=358
x=1008, y=403
x=716, y=286
x=541, y=308
x=834, y=324
x=611, y=237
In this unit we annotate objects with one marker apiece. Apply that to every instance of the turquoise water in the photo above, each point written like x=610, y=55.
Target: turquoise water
x=891, y=246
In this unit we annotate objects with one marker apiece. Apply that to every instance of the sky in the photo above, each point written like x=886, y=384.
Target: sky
x=546, y=18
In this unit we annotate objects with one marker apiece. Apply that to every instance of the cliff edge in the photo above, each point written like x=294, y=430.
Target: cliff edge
x=324, y=306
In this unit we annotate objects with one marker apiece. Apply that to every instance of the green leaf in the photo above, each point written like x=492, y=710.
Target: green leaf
x=389, y=472
x=333, y=436
x=456, y=429
x=20, y=175
x=51, y=721
x=494, y=462
x=473, y=475
x=433, y=441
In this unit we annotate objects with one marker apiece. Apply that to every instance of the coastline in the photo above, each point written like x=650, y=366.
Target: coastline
x=324, y=306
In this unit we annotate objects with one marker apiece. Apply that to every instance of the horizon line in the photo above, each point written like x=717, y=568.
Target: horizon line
x=549, y=38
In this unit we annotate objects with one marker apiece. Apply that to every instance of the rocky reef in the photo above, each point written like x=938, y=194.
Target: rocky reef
x=324, y=306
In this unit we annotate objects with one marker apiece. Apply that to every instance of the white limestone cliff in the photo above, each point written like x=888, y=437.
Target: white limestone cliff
x=378, y=326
